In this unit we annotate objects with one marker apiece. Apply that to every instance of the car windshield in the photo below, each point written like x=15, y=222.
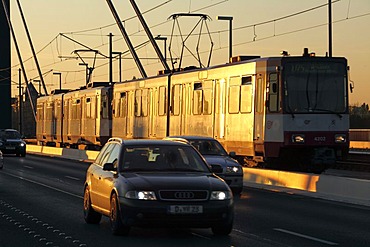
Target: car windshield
x=208, y=147
x=162, y=158
x=10, y=135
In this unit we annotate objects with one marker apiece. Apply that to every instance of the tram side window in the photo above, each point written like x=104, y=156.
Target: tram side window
x=40, y=115
x=197, y=99
x=273, y=93
x=76, y=109
x=122, y=105
x=234, y=96
x=162, y=101
x=49, y=111
x=58, y=110
x=207, y=101
x=246, y=95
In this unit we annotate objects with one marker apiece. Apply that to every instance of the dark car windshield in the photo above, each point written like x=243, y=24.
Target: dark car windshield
x=4, y=134
x=162, y=158
x=208, y=147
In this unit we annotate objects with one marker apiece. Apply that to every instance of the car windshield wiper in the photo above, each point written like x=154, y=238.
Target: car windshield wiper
x=182, y=170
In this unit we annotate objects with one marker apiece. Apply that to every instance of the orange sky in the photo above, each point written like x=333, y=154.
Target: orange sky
x=46, y=19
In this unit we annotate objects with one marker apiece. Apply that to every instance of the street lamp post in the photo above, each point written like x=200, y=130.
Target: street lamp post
x=230, y=19
x=60, y=79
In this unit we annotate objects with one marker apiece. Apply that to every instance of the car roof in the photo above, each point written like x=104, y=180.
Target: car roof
x=9, y=130
x=192, y=137
x=133, y=142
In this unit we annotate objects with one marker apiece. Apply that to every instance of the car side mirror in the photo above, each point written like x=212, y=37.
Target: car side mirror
x=109, y=167
x=232, y=154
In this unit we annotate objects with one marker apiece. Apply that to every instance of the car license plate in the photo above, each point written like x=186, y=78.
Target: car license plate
x=185, y=209
x=10, y=148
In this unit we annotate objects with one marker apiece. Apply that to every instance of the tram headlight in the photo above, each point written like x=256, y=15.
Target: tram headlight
x=340, y=138
x=298, y=138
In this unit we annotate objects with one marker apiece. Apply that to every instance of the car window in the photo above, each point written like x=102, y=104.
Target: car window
x=114, y=154
x=162, y=158
x=106, y=154
x=10, y=134
x=101, y=154
x=208, y=147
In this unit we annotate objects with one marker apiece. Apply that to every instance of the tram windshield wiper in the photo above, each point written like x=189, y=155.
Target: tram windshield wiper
x=329, y=111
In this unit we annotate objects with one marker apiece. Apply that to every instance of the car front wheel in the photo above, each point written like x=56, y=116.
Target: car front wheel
x=90, y=215
x=118, y=228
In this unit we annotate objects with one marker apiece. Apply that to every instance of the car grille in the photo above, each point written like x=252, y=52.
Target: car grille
x=183, y=195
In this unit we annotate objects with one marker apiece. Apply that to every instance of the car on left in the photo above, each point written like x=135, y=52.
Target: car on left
x=1, y=160
x=11, y=142
x=156, y=183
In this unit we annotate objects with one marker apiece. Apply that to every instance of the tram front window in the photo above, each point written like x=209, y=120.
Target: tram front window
x=315, y=87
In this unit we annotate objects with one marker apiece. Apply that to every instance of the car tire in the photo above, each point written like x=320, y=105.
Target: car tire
x=223, y=230
x=23, y=154
x=90, y=215
x=118, y=228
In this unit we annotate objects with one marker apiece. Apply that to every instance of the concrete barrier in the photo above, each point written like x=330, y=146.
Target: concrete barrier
x=345, y=189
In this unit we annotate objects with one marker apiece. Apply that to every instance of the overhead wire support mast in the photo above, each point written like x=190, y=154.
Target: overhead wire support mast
x=150, y=36
x=32, y=48
x=127, y=39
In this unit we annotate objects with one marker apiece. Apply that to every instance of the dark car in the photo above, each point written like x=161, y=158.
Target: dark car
x=1, y=160
x=156, y=183
x=216, y=156
x=11, y=142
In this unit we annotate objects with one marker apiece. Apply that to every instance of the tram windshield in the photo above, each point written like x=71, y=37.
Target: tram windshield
x=315, y=87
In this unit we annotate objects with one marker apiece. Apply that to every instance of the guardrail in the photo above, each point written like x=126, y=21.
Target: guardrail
x=345, y=189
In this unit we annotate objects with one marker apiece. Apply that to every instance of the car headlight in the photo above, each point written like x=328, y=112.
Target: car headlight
x=233, y=169
x=22, y=144
x=141, y=195
x=221, y=195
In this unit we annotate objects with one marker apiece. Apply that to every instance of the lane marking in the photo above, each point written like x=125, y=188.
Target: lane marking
x=44, y=185
x=305, y=236
x=73, y=178
x=29, y=167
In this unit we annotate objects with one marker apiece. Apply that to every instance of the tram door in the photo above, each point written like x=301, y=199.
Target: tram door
x=185, y=108
x=219, y=109
x=258, y=135
x=130, y=114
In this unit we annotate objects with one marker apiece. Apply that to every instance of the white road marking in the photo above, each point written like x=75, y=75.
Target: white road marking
x=44, y=185
x=73, y=178
x=29, y=167
x=200, y=236
x=305, y=236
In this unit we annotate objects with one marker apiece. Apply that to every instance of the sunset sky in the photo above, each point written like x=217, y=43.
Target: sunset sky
x=264, y=27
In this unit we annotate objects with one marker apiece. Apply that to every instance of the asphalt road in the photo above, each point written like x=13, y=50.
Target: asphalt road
x=41, y=205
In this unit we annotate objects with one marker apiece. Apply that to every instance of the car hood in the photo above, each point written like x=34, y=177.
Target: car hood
x=169, y=181
x=220, y=160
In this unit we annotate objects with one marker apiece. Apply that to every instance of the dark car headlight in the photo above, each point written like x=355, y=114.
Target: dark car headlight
x=221, y=195
x=141, y=195
x=234, y=169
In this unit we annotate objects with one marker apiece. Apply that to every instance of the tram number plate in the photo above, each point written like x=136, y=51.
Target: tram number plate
x=185, y=209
